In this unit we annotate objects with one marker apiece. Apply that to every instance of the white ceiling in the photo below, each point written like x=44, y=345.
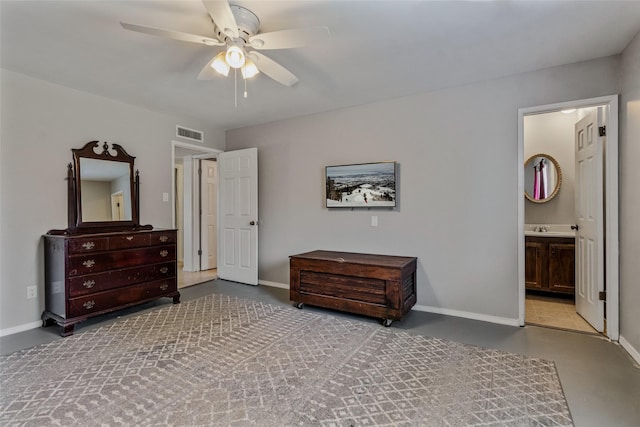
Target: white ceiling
x=378, y=49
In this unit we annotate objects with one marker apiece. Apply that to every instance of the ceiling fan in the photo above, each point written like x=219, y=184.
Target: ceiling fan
x=237, y=28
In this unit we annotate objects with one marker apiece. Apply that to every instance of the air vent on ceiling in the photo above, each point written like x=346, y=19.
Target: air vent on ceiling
x=194, y=135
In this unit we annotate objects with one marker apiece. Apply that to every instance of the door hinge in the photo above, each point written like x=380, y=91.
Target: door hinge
x=199, y=251
x=602, y=296
x=602, y=131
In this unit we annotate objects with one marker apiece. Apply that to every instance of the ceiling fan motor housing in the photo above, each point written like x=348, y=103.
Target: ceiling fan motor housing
x=248, y=24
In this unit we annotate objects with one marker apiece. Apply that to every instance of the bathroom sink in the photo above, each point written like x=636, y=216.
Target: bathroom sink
x=549, y=230
x=550, y=233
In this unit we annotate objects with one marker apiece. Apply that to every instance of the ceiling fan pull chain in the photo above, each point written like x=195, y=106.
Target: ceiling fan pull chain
x=235, y=85
x=245, y=88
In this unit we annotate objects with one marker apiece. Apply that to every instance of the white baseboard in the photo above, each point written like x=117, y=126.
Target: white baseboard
x=635, y=354
x=437, y=310
x=273, y=284
x=20, y=328
x=429, y=309
x=468, y=315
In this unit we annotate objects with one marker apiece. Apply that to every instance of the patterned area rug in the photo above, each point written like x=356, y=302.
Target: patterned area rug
x=220, y=360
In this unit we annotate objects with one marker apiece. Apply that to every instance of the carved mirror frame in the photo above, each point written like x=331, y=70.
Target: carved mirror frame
x=76, y=224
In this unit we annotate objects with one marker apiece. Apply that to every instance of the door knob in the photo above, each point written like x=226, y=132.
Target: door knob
x=574, y=227
x=253, y=223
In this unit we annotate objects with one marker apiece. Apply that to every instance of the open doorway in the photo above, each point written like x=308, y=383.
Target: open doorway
x=559, y=247
x=194, y=196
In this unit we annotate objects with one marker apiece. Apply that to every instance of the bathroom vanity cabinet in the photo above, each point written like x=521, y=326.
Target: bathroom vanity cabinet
x=550, y=264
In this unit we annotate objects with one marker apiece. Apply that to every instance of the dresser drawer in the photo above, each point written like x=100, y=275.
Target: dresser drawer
x=162, y=237
x=104, y=261
x=125, y=241
x=88, y=244
x=92, y=283
x=106, y=301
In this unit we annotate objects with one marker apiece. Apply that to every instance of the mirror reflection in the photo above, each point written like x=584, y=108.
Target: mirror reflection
x=106, y=190
x=542, y=178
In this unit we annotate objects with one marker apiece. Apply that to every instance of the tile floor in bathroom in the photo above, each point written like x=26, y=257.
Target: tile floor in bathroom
x=554, y=312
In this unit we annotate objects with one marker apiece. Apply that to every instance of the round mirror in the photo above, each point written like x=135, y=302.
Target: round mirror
x=542, y=178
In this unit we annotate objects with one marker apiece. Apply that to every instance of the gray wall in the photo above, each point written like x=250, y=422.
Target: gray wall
x=552, y=134
x=41, y=122
x=458, y=196
x=96, y=200
x=630, y=195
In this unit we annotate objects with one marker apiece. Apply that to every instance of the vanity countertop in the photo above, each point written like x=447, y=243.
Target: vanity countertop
x=549, y=230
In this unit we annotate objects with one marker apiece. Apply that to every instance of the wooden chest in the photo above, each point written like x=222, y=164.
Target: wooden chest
x=381, y=286
x=92, y=274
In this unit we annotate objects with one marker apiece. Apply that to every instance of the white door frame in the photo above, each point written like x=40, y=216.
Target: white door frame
x=611, y=260
x=198, y=152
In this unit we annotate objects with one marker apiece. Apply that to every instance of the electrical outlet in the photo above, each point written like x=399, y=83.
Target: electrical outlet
x=32, y=291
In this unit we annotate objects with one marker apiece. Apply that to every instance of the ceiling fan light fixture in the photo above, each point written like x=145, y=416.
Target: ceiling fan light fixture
x=235, y=56
x=220, y=64
x=249, y=69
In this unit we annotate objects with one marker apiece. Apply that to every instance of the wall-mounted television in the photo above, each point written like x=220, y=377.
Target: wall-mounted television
x=364, y=185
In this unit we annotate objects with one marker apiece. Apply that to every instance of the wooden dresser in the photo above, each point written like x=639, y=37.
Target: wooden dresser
x=381, y=286
x=91, y=274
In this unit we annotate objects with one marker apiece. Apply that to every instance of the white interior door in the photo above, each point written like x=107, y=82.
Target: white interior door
x=589, y=215
x=238, y=216
x=208, y=229
x=117, y=206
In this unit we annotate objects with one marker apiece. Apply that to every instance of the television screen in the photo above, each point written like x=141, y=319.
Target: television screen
x=365, y=185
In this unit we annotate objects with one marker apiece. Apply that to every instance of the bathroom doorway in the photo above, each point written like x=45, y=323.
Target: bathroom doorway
x=194, y=196
x=547, y=138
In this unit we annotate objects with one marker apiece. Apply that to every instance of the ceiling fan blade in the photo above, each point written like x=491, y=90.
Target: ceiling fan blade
x=286, y=39
x=176, y=35
x=272, y=69
x=220, y=12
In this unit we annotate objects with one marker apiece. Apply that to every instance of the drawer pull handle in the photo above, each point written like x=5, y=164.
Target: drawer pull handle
x=164, y=253
x=88, y=245
x=89, y=304
x=340, y=259
x=89, y=263
x=164, y=270
x=129, y=238
x=164, y=239
x=89, y=284
x=164, y=287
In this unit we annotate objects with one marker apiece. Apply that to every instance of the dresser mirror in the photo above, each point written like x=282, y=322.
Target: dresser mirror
x=103, y=189
x=106, y=190
x=542, y=178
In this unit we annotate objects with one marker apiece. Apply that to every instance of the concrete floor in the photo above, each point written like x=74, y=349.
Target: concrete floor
x=600, y=380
